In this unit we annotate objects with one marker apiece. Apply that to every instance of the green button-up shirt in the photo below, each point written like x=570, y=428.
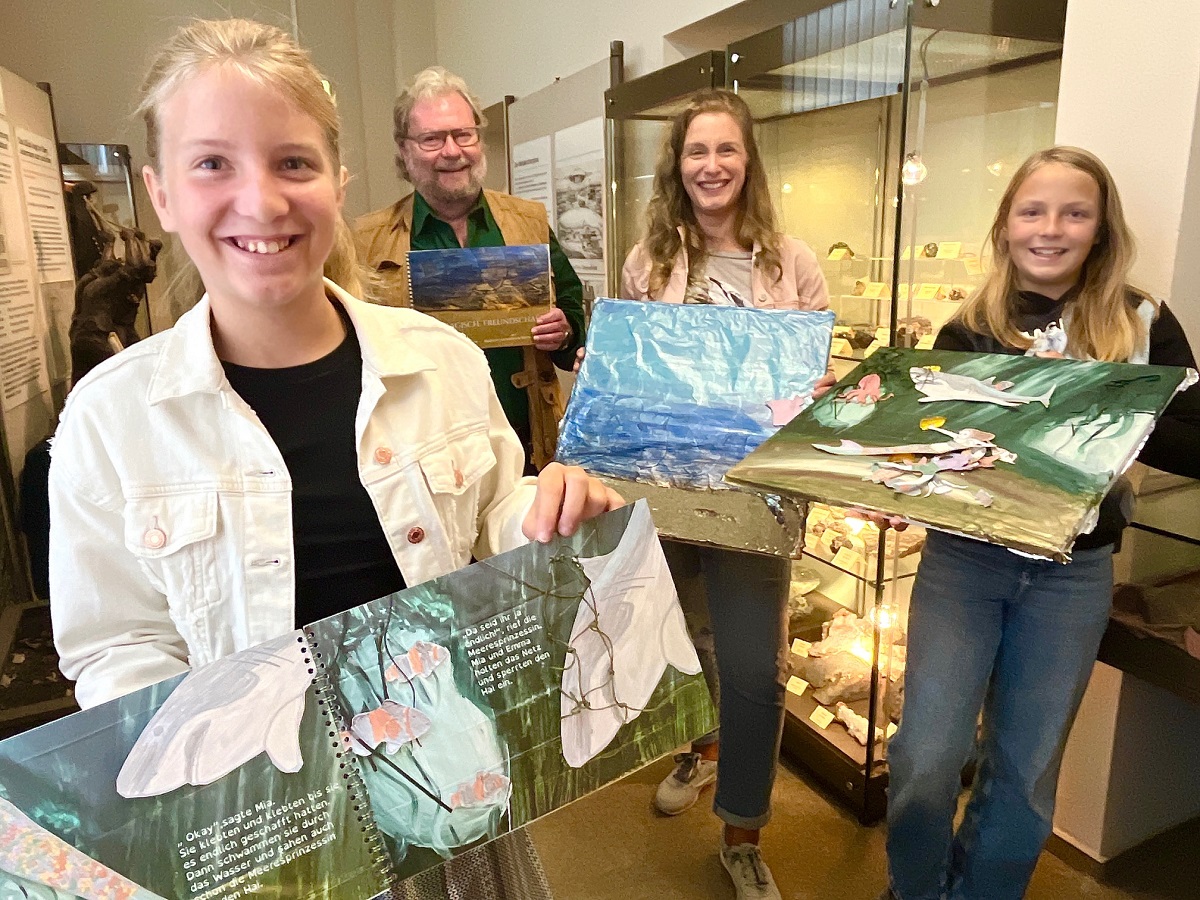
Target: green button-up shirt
x=431, y=233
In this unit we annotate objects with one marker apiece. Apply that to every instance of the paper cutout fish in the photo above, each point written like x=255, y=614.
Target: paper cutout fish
x=354, y=743
x=783, y=411
x=945, y=386
x=869, y=390
x=391, y=724
x=420, y=660
x=966, y=439
x=485, y=789
x=628, y=629
x=222, y=715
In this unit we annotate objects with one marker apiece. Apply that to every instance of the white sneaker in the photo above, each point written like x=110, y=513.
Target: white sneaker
x=751, y=878
x=681, y=789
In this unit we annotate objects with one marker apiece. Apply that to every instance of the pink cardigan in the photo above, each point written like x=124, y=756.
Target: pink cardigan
x=801, y=287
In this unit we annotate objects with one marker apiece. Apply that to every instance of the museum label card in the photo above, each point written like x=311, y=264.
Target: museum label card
x=848, y=559
x=800, y=647
x=797, y=686
x=949, y=249
x=821, y=717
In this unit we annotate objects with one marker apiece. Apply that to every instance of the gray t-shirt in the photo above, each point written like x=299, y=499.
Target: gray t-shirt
x=725, y=281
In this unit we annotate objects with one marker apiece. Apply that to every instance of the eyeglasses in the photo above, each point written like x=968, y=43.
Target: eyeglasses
x=436, y=140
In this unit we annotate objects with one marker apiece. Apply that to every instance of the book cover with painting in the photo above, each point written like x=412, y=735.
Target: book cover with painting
x=340, y=759
x=493, y=295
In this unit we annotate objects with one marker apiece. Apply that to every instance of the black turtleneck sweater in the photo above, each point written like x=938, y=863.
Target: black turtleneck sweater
x=1173, y=446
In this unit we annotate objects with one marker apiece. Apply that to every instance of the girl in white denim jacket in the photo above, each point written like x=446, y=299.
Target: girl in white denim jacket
x=173, y=540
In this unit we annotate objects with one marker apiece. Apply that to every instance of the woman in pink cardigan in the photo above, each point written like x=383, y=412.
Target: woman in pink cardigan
x=711, y=237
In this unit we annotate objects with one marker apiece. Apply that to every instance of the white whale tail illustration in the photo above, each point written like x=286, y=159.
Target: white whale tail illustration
x=1045, y=398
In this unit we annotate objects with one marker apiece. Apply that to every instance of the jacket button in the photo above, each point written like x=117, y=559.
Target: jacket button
x=154, y=538
x=458, y=478
x=416, y=534
x=383, y=455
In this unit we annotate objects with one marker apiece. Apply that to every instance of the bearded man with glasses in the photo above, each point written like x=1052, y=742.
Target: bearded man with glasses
x=439, y=149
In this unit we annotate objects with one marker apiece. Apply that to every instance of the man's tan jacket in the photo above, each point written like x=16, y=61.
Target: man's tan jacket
x=383, y=239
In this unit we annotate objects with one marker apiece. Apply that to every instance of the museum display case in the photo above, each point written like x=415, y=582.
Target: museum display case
x=1154, y=632
x=637, y=118
x=860, y=97
x=109, y=168
x=889, y=131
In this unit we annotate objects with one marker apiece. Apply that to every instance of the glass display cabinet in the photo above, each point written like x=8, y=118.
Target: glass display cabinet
x=109, y=168
x=1157, y=573
x=889, y=130
x=637, y=118
x=862, y=96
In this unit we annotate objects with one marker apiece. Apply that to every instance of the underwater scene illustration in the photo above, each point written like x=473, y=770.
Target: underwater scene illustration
x=1016, y=450
x=674, y=394
x=477, y=702
x=332, y=761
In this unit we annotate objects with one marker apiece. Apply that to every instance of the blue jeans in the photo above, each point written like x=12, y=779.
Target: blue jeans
x=1016, y=637
x=736, y=606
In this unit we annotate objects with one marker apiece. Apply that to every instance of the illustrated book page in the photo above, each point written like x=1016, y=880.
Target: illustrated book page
x=335, y=761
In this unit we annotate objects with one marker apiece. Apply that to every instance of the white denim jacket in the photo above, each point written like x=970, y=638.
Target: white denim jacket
x=170, y=505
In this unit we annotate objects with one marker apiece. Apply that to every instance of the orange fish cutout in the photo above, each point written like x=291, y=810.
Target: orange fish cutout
x=485, y=789
x=391, y=724
x=420, y=660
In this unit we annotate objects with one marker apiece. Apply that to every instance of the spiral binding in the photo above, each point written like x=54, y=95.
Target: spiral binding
x=348, y=764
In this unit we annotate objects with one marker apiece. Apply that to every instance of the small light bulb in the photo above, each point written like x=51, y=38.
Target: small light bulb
x=787, y=188
x=913, y=171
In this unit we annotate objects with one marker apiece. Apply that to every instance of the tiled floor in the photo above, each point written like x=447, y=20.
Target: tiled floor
x=611, y=845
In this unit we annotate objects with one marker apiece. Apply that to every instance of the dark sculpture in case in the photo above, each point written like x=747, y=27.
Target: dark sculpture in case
x=108, y=297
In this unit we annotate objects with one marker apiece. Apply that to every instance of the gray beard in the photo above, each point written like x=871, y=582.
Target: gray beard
x=436, y=195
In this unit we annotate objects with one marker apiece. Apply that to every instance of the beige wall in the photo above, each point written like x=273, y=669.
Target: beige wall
x=519, y=46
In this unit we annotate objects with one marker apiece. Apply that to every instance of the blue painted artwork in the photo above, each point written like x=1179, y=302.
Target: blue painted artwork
x=675, y=394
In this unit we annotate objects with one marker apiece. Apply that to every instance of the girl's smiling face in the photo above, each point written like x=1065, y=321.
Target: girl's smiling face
x=248, y=183
x=1052, y=225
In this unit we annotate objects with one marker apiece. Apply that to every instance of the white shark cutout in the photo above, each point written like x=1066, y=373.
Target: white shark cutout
x=221, y=716
x=628, y=629
x=937, y=385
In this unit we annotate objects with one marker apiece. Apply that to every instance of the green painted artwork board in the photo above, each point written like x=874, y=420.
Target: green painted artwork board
x=952, y=423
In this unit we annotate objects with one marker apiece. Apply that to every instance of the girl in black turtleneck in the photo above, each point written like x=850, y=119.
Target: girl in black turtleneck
x=993, y=630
